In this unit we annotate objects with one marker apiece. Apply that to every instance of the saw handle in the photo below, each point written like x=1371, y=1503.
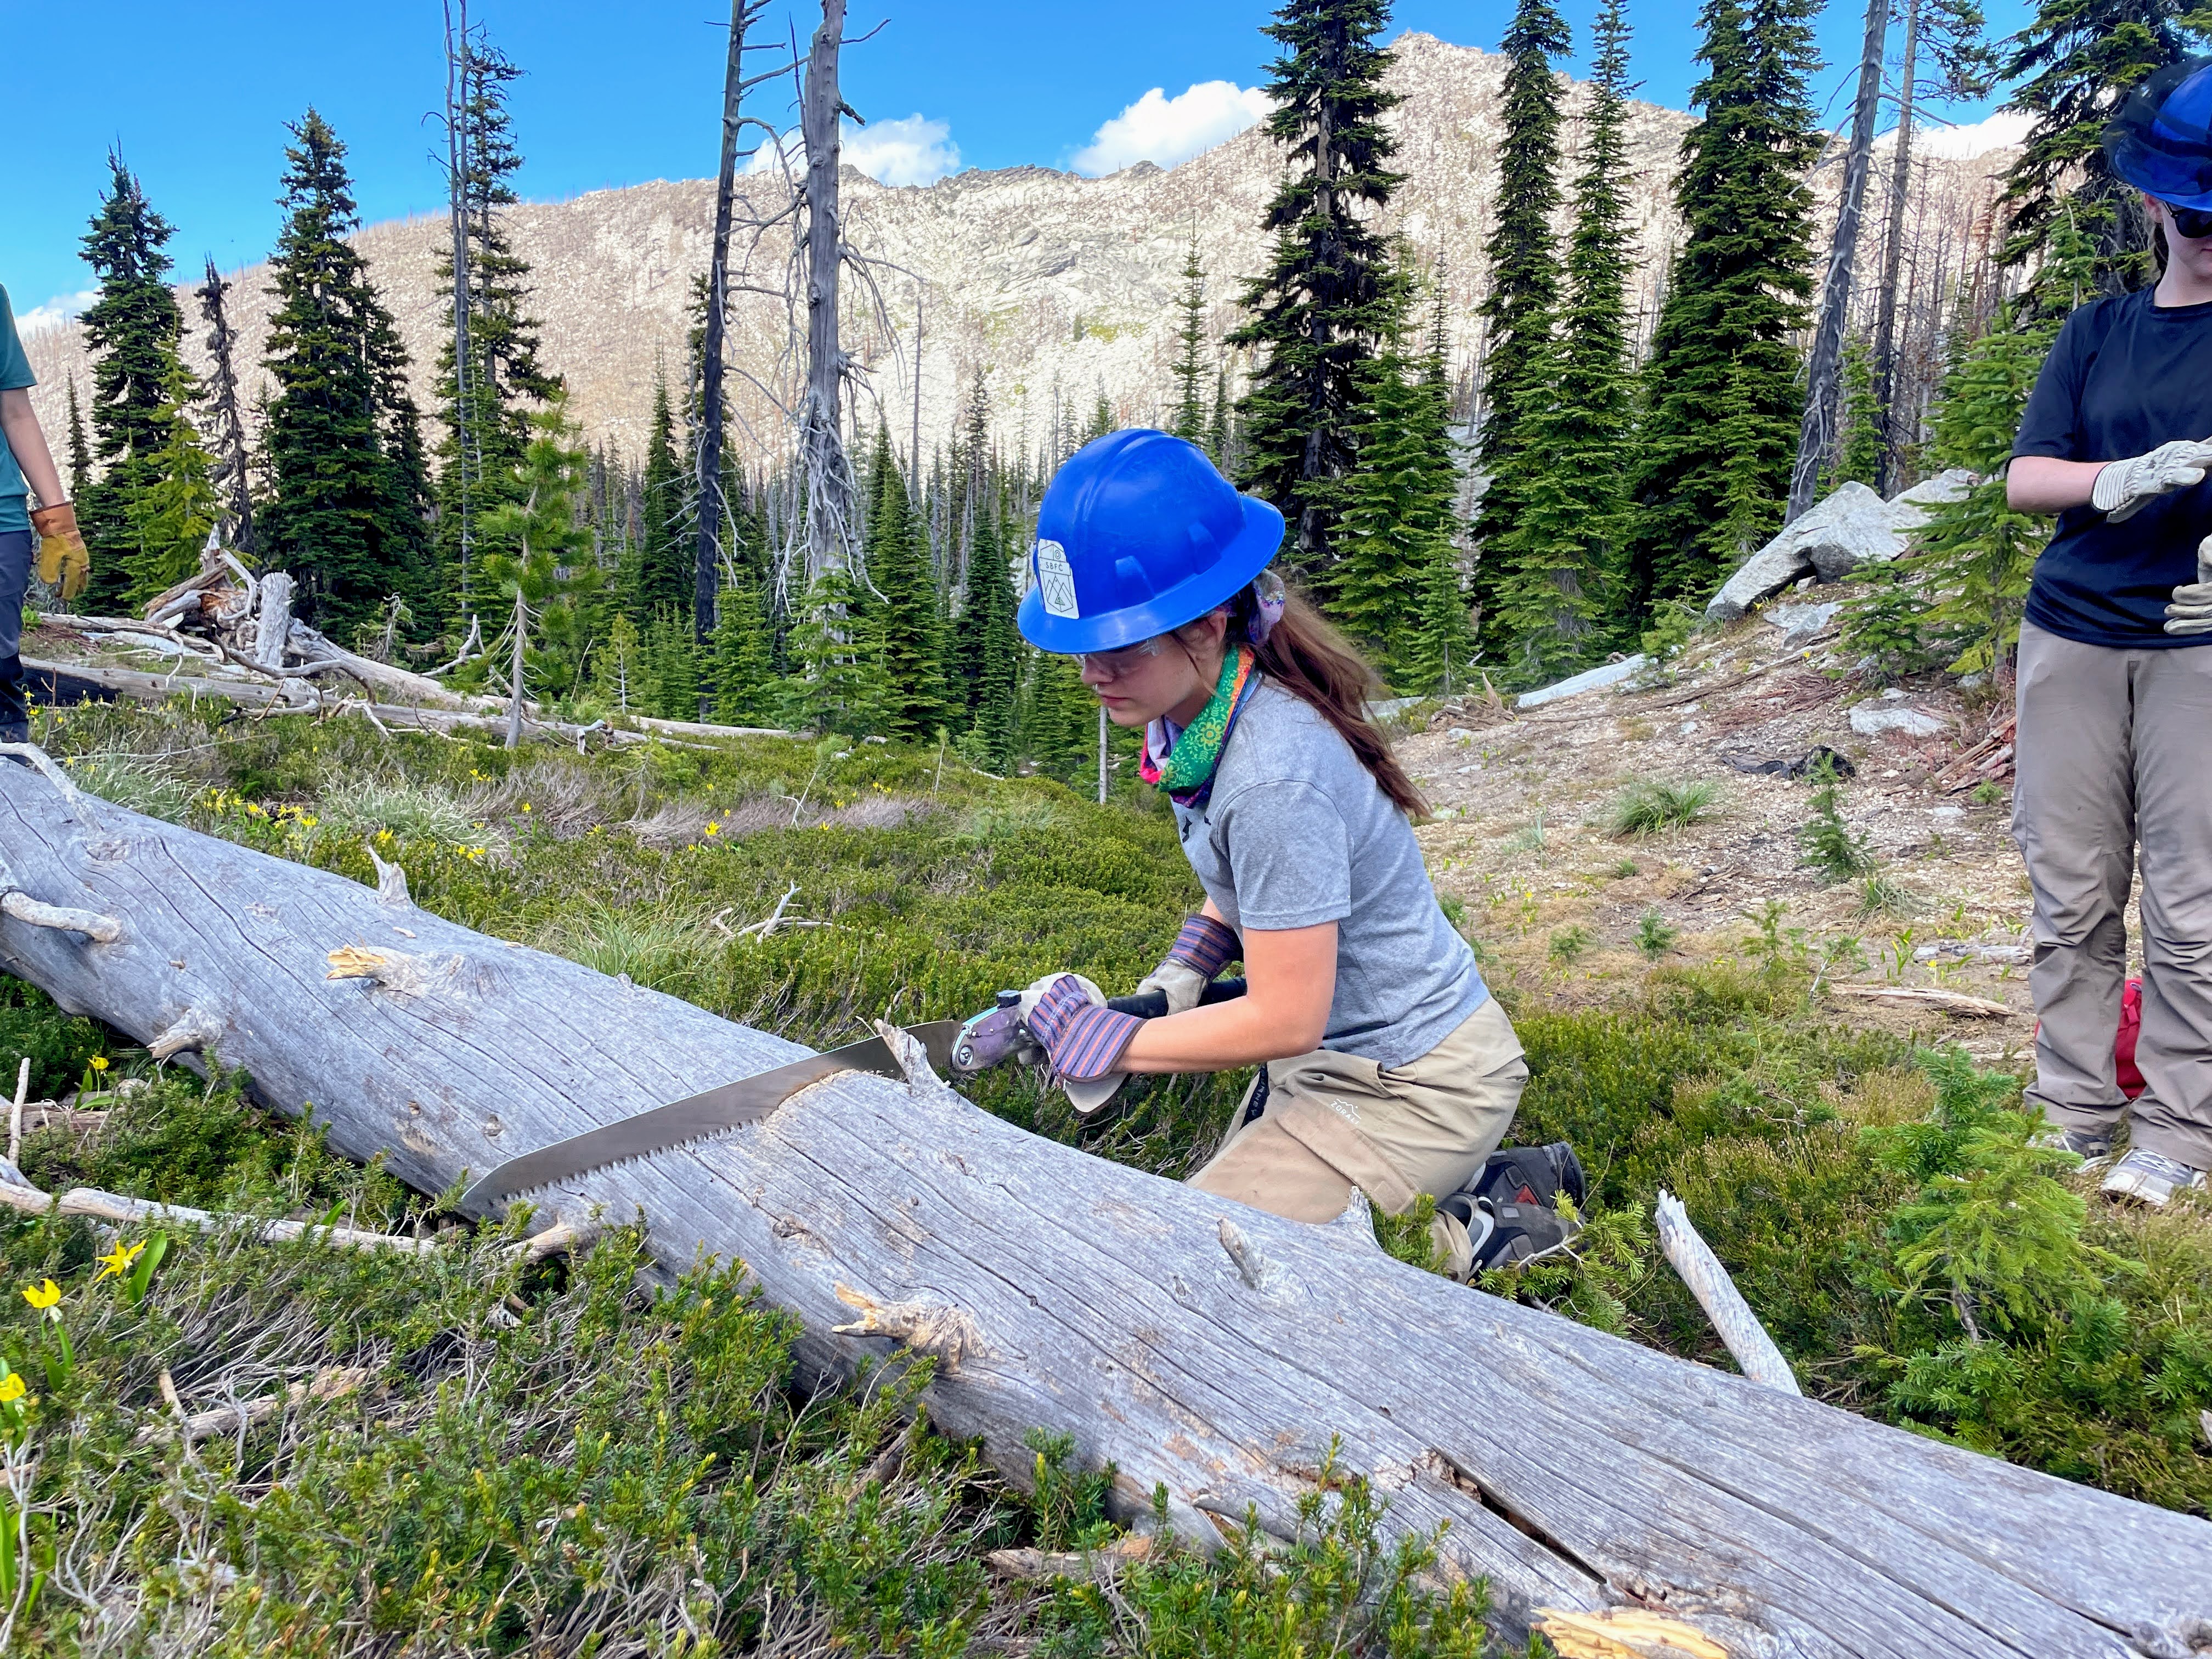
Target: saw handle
x=1153, y=1005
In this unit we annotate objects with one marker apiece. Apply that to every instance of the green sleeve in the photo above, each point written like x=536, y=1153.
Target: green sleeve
x=14, y=367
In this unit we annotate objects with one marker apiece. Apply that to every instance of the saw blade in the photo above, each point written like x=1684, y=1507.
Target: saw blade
x=695, y=1117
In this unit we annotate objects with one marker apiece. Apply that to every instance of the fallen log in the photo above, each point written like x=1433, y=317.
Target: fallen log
x=1577, y=1472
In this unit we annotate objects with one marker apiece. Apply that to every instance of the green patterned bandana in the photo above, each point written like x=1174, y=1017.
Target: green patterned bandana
x=1182, y=762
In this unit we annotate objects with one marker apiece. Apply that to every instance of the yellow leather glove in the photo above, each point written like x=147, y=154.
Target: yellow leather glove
x=63, y=560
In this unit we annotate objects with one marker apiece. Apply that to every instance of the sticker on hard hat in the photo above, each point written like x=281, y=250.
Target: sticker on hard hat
x=1055, y=579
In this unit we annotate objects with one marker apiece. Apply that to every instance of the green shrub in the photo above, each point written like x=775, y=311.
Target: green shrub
x=1570, y=945
x=1654, y=937
x=1649, y=807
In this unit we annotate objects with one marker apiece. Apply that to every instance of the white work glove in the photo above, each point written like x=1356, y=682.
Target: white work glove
x=2191, y=610
x=1182, y=984
x=2123, y=487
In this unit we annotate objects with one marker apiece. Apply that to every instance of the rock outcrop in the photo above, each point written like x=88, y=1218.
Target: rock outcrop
x=1852, y=527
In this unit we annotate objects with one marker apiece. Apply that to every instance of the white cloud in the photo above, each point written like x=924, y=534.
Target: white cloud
x=910, y=150
x=1167, y=130
x=1998, y=132
x=55, y=311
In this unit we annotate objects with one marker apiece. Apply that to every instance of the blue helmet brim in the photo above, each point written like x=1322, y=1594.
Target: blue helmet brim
x=1254, y=549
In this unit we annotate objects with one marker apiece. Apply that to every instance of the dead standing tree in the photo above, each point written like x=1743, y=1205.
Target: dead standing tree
x=1822, y=372
x=824, y=525
x=466, y=456
x=235, y=528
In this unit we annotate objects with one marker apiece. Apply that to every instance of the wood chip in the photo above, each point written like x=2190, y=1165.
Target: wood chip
x=1625, y=1633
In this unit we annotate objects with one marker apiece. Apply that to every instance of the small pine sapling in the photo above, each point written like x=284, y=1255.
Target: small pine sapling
x=1654, y=937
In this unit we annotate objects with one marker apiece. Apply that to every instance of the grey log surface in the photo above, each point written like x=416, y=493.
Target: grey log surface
x=1063, y=1293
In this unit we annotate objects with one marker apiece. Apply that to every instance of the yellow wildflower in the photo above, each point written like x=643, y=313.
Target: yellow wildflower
x=100, y=1062
x=42, y=1296
x=713, y=829
x=526, y=807
x=117, y=1261
x=11, y=1387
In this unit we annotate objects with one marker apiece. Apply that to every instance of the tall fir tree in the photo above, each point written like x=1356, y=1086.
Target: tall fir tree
x=1523, y=257
x=2073, y=65
x=1190, y=352
x=743, y=655
x=1318, y=312
x=663, y=580
x=908, y=627
x=343, y=444
x=1397, y=521
x=130, y=333
x=505, y=378
x=227, y=442
x=80, y=449
x=1736, y=297
x=1553, y=586
x=176, y=503
x=1441, y=652
x=990, y=642
x=1859, y=446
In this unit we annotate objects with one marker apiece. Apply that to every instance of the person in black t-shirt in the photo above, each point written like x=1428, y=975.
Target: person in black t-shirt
x=2114, y=742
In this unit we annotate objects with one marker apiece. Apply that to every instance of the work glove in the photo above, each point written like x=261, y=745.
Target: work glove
x=62, y=561
x=1200, y=951
x=1081, y=1036
x=2123, y=487
x=2191, y=610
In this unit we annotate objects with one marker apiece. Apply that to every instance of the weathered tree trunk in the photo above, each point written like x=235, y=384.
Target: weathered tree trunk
x=1822, y=371
x=825, y=470
x=1893, y=247
x=456, y=215
x=272, y=619
x=705, y=572
x=1217, y=1354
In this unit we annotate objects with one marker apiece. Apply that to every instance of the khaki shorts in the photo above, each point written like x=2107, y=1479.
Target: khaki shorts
x=1335, y=1121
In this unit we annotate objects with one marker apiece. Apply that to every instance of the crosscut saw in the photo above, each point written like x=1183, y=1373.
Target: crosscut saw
x=695, y=1118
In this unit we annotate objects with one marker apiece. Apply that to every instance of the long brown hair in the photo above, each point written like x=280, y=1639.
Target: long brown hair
x=1309, y=658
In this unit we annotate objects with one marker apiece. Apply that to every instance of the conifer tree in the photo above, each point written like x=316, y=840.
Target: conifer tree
x=505, y=377
x=1736, y=295
x=1190, y=358
x=1552, y=586
x=743, y=661
x=1317, y=312
x=1859, y=458
x=344, y=450
x=1442, y=649
x=992, y=645
x=130, y=331
x=2074, y=63
x=176, y=503
x=80, y=453
x=1219, y=442
x=908, y=625
x=1524, y=262
x=664, y=569
x=1396, y=519
x=617, y=666
x=672, y=665
x=837, y=682
x=537, y=558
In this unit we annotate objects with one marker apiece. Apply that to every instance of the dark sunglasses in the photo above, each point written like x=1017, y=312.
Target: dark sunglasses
x=2191, y=223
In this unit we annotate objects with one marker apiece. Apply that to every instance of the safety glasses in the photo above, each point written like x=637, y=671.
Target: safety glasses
x=1115, y=664
x=2191, y=224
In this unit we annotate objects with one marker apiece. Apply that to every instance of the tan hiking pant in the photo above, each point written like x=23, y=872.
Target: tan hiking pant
x=2115, y=763
x=1335, y=1121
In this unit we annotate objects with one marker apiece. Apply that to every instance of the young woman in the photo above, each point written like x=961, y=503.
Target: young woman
x=1389, y=1065
x=2115, y=692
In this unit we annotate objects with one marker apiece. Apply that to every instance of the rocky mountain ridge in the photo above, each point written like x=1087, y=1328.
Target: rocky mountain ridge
x=1057, y=289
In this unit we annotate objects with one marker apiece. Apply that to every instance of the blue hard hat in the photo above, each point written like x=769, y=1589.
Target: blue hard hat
x=1137, y=534
x=2161, y=140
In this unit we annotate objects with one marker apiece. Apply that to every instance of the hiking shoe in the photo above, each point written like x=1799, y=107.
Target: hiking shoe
x=2093, y=1146
x=2150, y=1178
x=1531, y=1175
x=1508, y=1235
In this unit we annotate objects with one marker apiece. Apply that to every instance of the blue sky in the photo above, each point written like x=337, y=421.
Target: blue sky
x=196, y=96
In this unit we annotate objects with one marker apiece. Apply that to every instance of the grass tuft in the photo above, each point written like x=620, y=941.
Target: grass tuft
x=1651, y=806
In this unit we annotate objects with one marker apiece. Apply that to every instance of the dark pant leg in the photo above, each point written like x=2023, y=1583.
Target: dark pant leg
x=2174, y=817
x=15, y=547
x=2073, y=816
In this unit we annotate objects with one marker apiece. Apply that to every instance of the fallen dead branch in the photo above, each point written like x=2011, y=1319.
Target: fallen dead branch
x=331, y=1382
x=1741, y=1333
x=113, y=1207
x=1951, y=1002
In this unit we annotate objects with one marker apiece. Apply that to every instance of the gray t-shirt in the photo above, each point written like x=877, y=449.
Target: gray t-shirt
x=1297, y=833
